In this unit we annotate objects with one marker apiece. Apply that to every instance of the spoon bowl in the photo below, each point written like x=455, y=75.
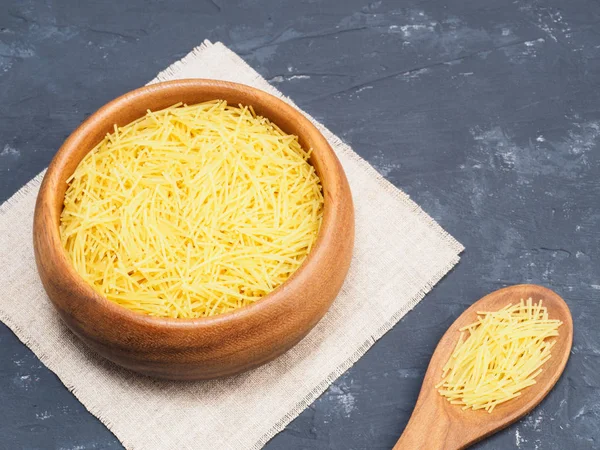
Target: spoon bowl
x=436, y=424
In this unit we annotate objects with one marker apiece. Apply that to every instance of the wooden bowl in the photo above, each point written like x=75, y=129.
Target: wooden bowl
x=206, y=347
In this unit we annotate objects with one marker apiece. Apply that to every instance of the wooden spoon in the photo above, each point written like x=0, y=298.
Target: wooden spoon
x=436, y=424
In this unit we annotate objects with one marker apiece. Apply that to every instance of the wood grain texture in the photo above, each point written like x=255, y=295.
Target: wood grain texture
x=436, y=424
x=206, y=347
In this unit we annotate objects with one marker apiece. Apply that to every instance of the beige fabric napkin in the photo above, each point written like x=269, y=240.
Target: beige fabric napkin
x=400, y=254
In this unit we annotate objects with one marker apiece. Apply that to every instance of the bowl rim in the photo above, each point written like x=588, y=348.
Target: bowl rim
x=329, y=224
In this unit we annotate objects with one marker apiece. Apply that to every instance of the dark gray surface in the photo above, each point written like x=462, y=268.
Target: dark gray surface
x=486, y=112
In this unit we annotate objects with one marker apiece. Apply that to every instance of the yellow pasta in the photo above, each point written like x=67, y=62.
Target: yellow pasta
x=503, y=353
x=192, y=211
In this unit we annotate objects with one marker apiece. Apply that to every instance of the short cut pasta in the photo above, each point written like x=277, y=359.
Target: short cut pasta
x=192, y=211
x=502, y=354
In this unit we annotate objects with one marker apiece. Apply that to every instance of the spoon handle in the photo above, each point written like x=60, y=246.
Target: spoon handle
x=430, y=428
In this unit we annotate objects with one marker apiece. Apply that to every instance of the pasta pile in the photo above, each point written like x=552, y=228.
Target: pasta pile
x=502, y=355
x=192, y=211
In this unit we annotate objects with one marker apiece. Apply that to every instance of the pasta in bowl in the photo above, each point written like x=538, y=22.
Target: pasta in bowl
x=193, y=229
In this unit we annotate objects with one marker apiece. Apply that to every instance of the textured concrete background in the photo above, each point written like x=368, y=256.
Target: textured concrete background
x=486, y=112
